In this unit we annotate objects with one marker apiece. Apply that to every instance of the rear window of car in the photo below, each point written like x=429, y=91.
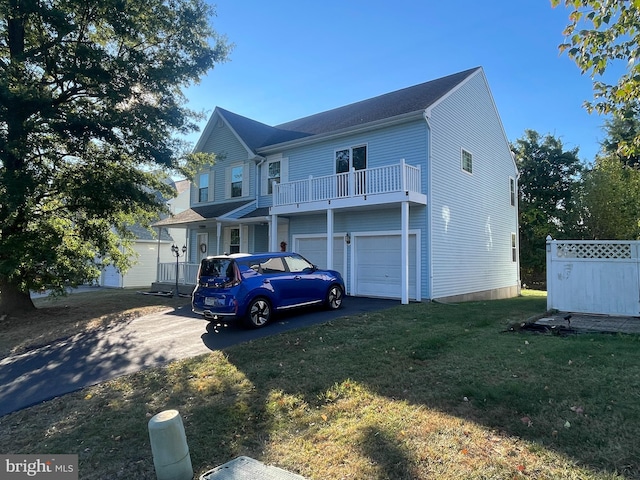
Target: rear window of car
x=216, y=267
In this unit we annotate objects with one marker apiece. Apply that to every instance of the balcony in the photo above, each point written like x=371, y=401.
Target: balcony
x=356, y=188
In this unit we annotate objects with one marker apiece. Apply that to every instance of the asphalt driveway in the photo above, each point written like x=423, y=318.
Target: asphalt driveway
x=90, y=358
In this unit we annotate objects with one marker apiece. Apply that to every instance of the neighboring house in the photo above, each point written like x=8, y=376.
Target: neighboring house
x=416, y=190
x=151, y=249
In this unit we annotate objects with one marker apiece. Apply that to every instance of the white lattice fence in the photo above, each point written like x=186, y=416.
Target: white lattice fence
x=600, y=277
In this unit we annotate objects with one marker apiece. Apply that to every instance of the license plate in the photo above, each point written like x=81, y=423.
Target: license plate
x=214, y=302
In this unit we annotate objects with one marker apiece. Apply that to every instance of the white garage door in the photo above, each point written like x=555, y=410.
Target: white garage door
x=314, y=249
x=377, y=269
x=111, y=277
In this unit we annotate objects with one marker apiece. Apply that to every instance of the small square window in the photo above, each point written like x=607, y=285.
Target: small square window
x=467, y=161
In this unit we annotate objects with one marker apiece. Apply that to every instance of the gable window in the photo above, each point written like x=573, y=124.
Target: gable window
x=273, y=175
x=203, y=188
x=236, y=181
x=514, y=248
x=512, y=191
x=467, y=161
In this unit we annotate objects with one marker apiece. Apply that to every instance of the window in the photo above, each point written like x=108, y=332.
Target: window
x=298, y=264
x=273, y=175
x=346, y=159
x=514, y=248
x=355, y=157
x=234, y=243
x=512, y=191
x=236, y=181
x=203, y=188
x=467, y=161
x=273, y=265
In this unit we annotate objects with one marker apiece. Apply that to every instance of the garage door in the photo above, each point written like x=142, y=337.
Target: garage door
x=314, y=249
x=111, y=277
x=377, y=269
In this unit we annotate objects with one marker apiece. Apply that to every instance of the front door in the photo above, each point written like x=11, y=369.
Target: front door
x=202, y=240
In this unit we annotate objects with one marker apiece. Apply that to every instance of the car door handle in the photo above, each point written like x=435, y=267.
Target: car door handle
x=297, y=277
x=266, y=281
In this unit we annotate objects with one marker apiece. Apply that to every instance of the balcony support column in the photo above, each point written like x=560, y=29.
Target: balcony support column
x=330, y=238
x=273, y=234
x=404, y=252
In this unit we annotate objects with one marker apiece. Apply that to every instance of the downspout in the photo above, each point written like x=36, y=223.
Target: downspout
x=427, y=114
x=259, y=178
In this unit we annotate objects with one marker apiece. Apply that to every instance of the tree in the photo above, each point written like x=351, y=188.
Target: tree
x=90, y=105
x=610, y=200
x=600, y=34
x=548, y=174
x=622, y=130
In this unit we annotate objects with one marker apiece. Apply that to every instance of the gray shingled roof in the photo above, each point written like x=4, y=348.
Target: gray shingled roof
x=199, y=213
x=407, y=100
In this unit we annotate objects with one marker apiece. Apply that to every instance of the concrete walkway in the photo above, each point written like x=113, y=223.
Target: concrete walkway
x=583, y=322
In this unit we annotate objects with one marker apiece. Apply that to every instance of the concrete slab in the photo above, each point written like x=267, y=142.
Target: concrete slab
x=582, y=322
x=245, y=468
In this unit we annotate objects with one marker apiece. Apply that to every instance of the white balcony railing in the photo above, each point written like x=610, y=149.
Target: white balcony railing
x=187, y=273
x=370, y=181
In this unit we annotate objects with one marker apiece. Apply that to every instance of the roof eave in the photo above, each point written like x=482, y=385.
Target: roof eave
x=376, y=124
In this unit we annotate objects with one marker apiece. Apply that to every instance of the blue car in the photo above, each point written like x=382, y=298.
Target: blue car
x=254, y=287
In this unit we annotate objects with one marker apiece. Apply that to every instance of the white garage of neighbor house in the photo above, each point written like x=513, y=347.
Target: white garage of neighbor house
x=416, y=188
x=151, y=248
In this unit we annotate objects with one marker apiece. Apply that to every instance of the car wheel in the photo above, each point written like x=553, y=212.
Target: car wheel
x=334, y=297
x=259, y=313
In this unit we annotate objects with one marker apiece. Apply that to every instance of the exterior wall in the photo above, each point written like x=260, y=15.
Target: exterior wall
x=471, y=216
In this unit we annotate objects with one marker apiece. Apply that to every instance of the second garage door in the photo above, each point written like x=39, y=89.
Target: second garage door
x=377, y=266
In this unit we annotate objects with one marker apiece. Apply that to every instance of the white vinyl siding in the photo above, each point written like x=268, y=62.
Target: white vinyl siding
x=471, y=221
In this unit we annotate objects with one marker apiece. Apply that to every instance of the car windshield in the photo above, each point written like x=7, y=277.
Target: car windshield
x=216, y=267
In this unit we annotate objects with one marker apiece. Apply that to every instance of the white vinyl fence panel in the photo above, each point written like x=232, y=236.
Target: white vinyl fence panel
x=591, y=276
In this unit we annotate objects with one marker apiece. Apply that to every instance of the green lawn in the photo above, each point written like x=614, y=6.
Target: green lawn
x=419, y=391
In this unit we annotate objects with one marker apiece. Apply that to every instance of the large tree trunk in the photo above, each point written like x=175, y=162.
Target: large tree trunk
x=13, y=300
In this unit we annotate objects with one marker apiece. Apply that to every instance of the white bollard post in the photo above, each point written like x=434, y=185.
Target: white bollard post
x=169, y=446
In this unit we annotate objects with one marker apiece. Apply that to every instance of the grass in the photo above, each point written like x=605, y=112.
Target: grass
x=419, y=391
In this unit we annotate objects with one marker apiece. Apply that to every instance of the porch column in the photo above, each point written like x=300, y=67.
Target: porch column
x=330, y=238
x=218, y=237
x=404, y=252
x=273, y=234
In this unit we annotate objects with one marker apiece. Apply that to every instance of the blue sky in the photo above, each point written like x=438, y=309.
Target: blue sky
x=297, y=58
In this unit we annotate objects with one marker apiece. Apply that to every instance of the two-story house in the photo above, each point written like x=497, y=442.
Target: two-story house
x=410, y=195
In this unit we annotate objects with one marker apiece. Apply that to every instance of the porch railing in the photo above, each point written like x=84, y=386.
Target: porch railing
x=370, y=181
x=187, y=273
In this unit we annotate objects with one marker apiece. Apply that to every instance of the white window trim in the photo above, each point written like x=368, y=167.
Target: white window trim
x=245, y=180
x=350, y=148
x=514, y=247
x=513, y=198
x=264, y=174
x=462, y=152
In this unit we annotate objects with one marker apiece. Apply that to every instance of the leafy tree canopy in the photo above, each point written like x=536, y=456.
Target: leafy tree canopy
x=90, y=105
x=601, y=33
x=610, y=200
x=548, y=174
